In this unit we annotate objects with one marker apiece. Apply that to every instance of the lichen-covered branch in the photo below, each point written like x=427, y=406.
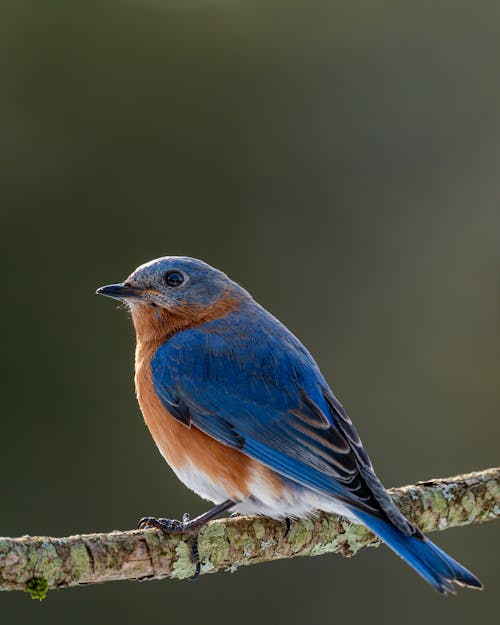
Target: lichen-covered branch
x=38, y=563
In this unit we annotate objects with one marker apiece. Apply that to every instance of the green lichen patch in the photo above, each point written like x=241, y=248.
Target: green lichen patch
x=354, y=537
x=436, y=501
x=214, y=544
x=321, y=549
x=493, y=488
x=183, y=567
x=469, y=505
x=78, y=560
x=435, y=510
x=259, y=527
x=37, y=588
x=242, y=541
x=301, y=534
x=213, y=532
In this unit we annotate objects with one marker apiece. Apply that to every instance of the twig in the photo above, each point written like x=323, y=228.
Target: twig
x=38, y=563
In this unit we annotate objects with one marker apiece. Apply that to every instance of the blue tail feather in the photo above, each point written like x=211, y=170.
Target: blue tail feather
x=437, y=568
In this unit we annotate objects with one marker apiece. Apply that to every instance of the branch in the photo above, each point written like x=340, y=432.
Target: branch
x=37, y=563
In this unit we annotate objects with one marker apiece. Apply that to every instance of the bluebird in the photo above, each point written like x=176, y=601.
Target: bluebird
x=242, y=414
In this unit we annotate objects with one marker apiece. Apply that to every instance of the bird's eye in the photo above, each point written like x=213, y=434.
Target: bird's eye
x=174, y=278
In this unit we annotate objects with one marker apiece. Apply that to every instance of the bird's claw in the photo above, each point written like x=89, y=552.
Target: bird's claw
x=174, y=526
x=169, y=526
x=288, y=525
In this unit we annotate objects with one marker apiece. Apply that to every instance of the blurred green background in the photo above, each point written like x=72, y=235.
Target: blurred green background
x=339, y=159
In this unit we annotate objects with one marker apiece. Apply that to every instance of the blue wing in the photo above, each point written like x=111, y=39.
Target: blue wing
x=249, y=383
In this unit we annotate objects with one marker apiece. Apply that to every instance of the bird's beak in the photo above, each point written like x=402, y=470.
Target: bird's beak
x=120, y=291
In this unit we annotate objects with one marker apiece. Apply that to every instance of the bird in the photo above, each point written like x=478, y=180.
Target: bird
x=241, y=412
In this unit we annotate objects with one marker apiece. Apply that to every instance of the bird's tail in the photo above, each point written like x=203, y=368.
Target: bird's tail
x=432, y=563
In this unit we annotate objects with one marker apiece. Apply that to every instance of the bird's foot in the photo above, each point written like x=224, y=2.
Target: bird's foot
x=174, y=526
x=188, y=526
x=171, y=526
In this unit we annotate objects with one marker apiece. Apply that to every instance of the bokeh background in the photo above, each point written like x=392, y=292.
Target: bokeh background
x=339, y=159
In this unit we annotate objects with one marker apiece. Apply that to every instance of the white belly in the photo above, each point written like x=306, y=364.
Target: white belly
x=292, y=501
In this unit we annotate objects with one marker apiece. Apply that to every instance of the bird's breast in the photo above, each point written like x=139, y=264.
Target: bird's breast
x=214, y=471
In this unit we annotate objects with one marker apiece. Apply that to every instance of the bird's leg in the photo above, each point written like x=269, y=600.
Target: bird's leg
x=188, y=526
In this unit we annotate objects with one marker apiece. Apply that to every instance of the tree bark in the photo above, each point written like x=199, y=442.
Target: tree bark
x=39, y=563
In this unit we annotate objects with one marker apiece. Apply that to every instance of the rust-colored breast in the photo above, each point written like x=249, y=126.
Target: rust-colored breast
x=182, y=446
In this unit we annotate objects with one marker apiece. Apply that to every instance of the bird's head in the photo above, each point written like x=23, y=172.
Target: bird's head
x=175, y=288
